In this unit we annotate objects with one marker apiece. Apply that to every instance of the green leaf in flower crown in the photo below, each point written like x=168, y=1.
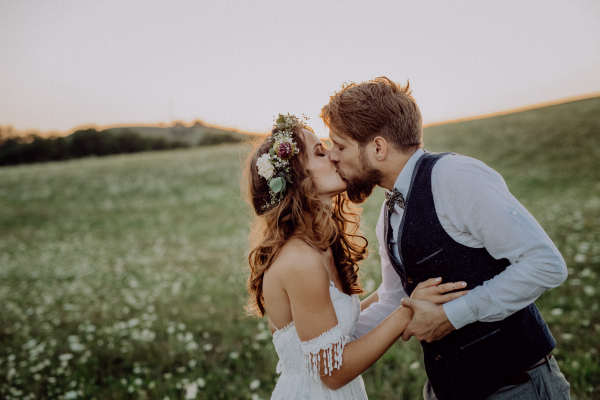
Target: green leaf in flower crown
x=277, y=184
x=281, y=119
x=272, y=151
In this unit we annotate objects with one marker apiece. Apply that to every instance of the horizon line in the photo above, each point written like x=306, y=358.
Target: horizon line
x=245, y=132
x=516, y=110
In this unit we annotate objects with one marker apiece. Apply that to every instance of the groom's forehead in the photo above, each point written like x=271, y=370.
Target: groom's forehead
x=337, y=137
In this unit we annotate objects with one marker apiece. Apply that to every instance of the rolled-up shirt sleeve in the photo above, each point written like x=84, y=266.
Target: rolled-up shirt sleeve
x=390, y=291
x=476, y=208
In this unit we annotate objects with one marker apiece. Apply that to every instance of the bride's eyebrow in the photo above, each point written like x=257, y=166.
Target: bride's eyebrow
x=317, y=145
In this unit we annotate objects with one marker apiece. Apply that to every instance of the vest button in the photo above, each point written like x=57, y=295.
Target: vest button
x=409, y=280
x=438, y=357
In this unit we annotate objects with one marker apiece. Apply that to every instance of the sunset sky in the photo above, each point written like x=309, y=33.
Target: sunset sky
x=238, y=63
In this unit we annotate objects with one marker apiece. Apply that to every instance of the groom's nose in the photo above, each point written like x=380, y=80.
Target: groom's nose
x=334, y=156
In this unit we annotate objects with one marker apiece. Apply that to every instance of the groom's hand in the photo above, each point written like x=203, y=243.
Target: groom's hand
x=429, y=321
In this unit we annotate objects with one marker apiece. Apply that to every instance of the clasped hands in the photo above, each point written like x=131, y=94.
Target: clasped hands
x=429, y=320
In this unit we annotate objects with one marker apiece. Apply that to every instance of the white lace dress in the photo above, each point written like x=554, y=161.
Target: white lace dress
x=298, y=360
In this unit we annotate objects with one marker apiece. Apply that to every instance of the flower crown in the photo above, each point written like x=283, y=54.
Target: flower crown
x=274, y=166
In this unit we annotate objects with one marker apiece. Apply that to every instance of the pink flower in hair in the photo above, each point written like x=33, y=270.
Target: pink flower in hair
x=285, y=150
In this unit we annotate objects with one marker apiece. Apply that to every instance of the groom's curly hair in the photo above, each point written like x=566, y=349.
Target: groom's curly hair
x=379, y=107
x=300, y=214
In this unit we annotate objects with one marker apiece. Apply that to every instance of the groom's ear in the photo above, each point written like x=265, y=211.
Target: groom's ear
x=380, y=147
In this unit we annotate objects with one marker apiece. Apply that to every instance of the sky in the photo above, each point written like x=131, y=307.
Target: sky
x=67, y=64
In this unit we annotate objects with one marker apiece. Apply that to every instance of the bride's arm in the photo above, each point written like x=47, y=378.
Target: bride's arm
x=326, y=351
x=363, y=352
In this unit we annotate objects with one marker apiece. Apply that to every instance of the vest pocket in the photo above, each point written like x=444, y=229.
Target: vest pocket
x=430, y=256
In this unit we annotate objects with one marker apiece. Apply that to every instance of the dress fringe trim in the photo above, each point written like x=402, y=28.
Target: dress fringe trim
x=332, y=344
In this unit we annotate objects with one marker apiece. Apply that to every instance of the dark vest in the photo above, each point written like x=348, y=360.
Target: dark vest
x=479, y=358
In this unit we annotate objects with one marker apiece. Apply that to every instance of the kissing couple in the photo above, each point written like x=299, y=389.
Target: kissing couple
x=462, y=261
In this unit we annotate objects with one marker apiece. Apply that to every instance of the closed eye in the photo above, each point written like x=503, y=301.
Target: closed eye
x=319, y=148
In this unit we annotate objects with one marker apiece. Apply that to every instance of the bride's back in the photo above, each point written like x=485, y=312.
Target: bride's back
x=296, y=259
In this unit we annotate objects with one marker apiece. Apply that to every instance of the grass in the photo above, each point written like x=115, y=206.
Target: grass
x=124, y=277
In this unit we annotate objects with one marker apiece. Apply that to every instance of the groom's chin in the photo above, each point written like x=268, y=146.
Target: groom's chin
x=359, y=195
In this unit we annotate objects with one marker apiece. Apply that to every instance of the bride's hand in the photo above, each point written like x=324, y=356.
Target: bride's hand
x=432, y=290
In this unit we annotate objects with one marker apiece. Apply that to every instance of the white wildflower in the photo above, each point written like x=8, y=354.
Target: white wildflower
x=76, y=347
x=70, y=395
x=265, y=168
x=176, y=287
x=254, y=384
x=191, y=391
x=191, y=346
x=233, y=355
x=557, y=312
x=586, y=273
x=414, y=365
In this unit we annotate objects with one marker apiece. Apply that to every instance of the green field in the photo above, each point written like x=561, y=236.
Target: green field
x=123, y=277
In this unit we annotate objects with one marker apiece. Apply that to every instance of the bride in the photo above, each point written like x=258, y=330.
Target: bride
x=304, y=272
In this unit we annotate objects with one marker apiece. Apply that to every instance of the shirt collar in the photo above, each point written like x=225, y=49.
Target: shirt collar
x=403, y=180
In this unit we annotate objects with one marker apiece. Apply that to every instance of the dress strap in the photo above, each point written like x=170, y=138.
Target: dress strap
x=319, y=253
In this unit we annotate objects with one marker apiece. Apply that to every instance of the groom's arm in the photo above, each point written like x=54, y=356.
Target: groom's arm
x=389, y=294
x=475, y=207
x=373, y=298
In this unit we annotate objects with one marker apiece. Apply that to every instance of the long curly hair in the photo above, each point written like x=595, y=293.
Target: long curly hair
x=300, y=214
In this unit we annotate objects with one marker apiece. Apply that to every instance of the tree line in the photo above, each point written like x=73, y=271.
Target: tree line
x=33, y=148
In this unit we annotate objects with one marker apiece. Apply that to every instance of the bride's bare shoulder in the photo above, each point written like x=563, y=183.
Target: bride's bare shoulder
x=297, y=260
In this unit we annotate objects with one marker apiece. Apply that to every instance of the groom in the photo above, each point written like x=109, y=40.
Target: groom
x=453, y=217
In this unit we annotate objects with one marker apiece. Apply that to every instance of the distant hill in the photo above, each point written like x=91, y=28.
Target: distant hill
x=197, y=134
x=32, y=148
x=551, y=147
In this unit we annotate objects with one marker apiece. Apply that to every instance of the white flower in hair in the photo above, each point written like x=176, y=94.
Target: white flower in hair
x=275, y=165
x=265, y=167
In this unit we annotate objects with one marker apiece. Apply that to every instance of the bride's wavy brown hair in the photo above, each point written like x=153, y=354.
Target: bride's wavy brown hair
x=299, y=214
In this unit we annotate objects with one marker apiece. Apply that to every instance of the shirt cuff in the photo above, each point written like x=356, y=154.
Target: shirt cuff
x=458, y=312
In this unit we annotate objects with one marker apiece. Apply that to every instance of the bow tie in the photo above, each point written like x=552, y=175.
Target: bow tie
x=393, y=198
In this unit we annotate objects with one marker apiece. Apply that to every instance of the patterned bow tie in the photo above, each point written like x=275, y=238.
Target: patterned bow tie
x=393, y=198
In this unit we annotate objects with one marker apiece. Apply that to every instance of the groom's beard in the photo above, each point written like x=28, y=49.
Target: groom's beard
x=361, y=186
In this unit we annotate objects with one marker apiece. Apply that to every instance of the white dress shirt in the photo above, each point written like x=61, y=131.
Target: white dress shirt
x=476, y=209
